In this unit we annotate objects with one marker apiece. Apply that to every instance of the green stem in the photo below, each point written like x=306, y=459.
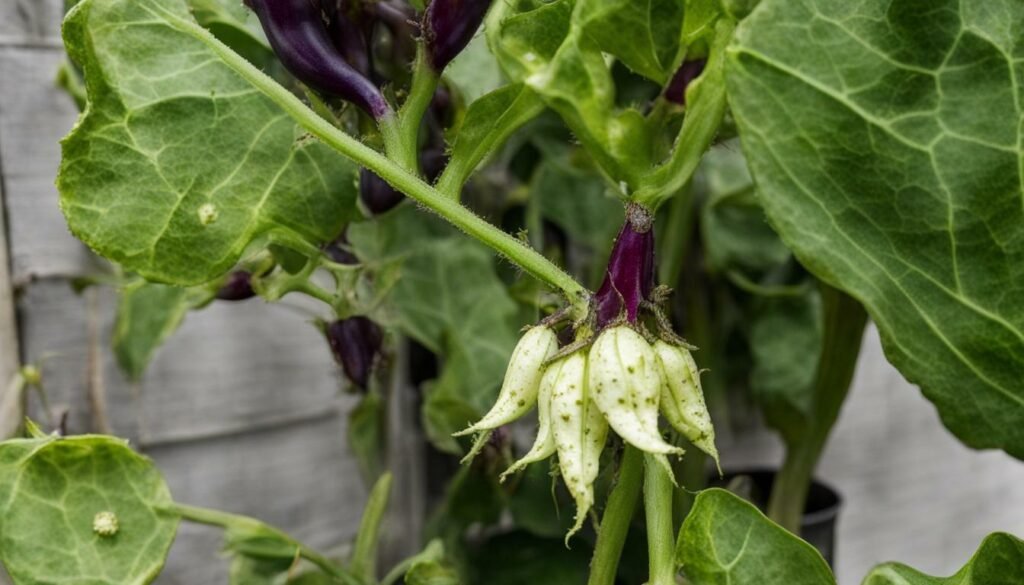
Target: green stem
x=705, y=111
x=364, y=557
x=660, y=535
x=692, y=473
x=845, y=319
x=402, y=146
x=230, y=521
x=675, y=237
x=400, y=178
x=618, y=514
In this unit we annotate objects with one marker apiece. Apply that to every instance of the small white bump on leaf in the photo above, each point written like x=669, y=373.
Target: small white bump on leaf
x=208, y=213
x=105, y=524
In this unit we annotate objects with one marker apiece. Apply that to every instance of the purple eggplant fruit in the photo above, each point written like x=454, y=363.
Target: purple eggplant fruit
x=338, y=250
x=675, y=92
x=379, y=197
x=299, y=37
x=433, y=162
x=448, y=26
x=348, y=30
x=376, y=194
x=355, y=342
x=629, y=278
x=236, y=287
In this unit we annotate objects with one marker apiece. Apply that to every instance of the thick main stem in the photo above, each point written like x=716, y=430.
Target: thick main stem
x=526, y=258
x=845, y=319
x=618, y=514
x=660, y=534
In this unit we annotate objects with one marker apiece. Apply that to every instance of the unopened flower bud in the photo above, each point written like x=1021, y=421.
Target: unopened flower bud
x=625, y=383
x=544, y=445
x=522, y=380
x=579, y=431
x=682, y=399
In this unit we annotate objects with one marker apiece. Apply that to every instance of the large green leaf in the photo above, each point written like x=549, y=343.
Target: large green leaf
x=885, y=138
x=727, y=541
x=51, y=491
x=178, y=163
x=999, y=561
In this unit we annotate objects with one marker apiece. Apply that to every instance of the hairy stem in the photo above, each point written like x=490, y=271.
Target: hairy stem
x=618, y=514
x=845, y=319
x=660, y=535
x=400, y=178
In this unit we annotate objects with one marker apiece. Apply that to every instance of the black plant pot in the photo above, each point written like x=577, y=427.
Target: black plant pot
x=821, y=513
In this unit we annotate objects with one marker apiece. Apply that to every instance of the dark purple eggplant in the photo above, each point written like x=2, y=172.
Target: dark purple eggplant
x=338, y=250
x=433, y=162
x=236, y=287
x=675, y=92
x=299, y=37
x=355, y=342
x=376, y=194
x=448, y=26
x=348, y=28
x=629, y=278
x=380, y=197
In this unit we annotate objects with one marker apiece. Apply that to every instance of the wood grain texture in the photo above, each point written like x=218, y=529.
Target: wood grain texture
x=9, y=352
x=231, y=368
x=30, y=22
x=34, y=116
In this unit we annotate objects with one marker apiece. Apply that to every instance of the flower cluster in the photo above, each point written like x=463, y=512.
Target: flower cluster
x=621, y=382
x=619, y=379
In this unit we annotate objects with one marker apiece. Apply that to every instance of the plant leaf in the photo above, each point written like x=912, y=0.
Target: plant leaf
x=431, y=573
x=885, y=141
x=546, y=47
x=51, y=490
x=488, y=122
x=179, y=163
x=148, y=314
x=230, y=22
x=643, y=34
x=725, y=540
x=999, y=561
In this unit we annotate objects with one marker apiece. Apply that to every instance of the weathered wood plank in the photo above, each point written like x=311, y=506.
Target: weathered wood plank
x=230, y=368
x=30, y=22
x=34, y=116
x=296, y=477
x=9, y=352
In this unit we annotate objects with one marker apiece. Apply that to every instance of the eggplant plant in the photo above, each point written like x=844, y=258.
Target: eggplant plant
x=706, y=195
